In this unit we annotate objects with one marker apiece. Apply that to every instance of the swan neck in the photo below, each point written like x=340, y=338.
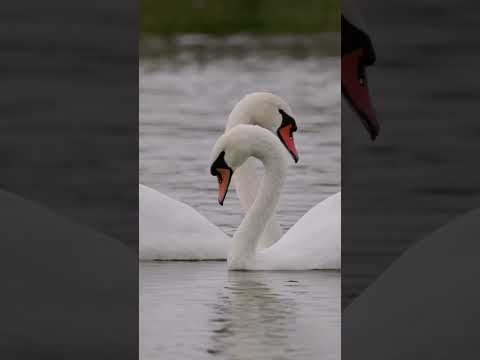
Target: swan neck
x=240, y=114
x=246, y=237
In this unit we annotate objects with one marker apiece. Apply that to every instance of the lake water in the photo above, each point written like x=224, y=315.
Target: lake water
x=188, y=86
x=199, y=310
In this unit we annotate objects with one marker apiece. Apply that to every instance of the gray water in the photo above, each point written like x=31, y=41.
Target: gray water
x=199, y=310
x=188, y=86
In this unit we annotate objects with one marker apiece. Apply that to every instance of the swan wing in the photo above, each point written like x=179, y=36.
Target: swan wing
x=172, y=230
x=314, y=242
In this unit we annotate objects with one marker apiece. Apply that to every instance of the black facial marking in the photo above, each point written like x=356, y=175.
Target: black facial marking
x=219, y=163
x=287, y=120
x=353, y=38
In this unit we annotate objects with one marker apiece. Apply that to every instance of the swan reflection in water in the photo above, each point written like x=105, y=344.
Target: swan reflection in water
x=199, y=310
x=297, y=315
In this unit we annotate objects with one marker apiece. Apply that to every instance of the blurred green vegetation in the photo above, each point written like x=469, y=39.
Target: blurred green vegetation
x=232, y=16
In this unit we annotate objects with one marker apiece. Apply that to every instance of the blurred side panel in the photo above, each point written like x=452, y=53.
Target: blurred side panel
x=402, y=278
x=68, y=183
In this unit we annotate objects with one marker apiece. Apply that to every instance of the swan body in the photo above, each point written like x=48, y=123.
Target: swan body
x=172, y=230
x=313, y=243
x=65, y=286
x=435, y=280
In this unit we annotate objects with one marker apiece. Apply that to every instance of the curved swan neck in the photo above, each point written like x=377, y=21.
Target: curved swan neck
x=270, y=152
x=240, y=114
x=259, y=108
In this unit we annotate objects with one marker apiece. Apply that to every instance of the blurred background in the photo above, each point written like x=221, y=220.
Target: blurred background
x=233, y=16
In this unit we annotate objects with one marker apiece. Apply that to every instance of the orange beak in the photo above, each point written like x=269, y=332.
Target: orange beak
x=286, y=136
x=355, y=89
x=224, y=176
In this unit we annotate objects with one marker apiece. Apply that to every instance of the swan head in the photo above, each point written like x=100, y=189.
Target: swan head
x=357, y=54
x=271, y=112
x=233, y=148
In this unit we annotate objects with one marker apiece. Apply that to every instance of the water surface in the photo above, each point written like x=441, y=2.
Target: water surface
x=199, y=310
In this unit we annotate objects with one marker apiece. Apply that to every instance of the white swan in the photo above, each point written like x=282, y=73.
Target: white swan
x=312, y=243
x=435, y=282
x=273, y=113
x=171, y=230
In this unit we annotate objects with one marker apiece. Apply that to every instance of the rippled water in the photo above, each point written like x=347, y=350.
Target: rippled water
x=188, y=86
x=199, y=310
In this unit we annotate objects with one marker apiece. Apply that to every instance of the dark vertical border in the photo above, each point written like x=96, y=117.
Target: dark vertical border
x=410, y=218
x=69, y=175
